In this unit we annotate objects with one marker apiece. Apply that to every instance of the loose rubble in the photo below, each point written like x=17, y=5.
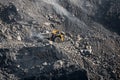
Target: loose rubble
x=90, y=51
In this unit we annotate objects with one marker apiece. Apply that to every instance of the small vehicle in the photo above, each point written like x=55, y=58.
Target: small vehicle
x=55, y=36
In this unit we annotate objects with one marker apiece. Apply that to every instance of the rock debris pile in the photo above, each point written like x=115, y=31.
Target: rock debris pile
x=90, y=51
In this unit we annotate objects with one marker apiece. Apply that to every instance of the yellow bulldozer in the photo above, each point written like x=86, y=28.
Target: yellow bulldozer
x=54, y=35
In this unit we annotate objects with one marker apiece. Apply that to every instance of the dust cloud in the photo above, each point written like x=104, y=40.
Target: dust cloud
x=82, y=4
x=63, y=12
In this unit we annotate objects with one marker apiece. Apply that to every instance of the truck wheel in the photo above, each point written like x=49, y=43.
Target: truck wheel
x=57, y=39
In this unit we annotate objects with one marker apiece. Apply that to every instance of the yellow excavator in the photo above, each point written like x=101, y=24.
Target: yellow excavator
x=57, y=36
x=54, y=35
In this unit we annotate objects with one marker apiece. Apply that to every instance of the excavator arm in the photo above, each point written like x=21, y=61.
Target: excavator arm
x=55, y=36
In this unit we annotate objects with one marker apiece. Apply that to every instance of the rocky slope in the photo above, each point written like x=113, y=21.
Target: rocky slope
x=91, y=50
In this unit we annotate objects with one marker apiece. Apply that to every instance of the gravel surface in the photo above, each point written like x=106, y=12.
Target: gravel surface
x=91, y=50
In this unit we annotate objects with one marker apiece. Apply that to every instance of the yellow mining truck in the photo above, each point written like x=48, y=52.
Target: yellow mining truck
x=54, y=35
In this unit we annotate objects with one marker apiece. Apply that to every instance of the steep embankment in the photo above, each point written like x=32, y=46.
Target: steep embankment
x=91, y=49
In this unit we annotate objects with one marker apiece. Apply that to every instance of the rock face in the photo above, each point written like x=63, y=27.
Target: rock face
x=91, y=50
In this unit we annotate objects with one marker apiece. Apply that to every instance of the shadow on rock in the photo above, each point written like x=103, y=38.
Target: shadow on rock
x=68, y=73
x=31, y=61
x=36, y=60
x=3, y=57
x=46, y=52
x=8, y=13
x=108, y=15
